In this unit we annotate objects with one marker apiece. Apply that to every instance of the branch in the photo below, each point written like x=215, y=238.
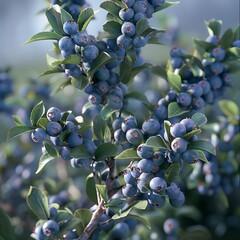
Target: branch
x=92, y=225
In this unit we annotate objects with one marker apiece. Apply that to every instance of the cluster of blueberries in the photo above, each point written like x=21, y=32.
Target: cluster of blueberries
x=219, y=173
x=6, y=88
x=147, y=175
x=72, y=6
x=65, y=135
x=199, y=91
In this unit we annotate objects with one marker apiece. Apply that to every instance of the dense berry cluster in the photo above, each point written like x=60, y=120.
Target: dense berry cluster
x=74, y=7
x=6, y=88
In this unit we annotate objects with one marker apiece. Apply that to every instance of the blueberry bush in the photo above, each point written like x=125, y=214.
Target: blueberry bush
x=126, y=159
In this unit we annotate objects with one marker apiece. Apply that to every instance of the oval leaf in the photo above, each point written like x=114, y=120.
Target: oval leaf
x=36, y=113
x=128, y=154
x=43, y=36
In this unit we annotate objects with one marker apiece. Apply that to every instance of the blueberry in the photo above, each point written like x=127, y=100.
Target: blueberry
x=90, y=146
x=38, y=135
x=120, y=231
x=215, y=82
x=157, y=3
x=124, y=41
x=143, y=182
x=174, y=157
x=99, y=166
x=138, y=16
x=227, y=79
x=95, y=98
x=135, y=171
x=50, y=228
x=170, y=226
x=39, y=233
x=178, y=201
x=119, y=136
x=116, y=124
x=53, y=114
x=128, y=29
x=145, y=151
x=53, y=129
x=128, y=123
x=102, y=74
x=129, y=2
x=129, y=190
x=70, y=27
x=190, y=156
x=65, y=153
x=176, y=52
x=90, y=52
x=158, y=158
x=178, y=130
x=140, y=6
x=102, y=87
x=156, y=200
x=171, y=96
x=173, y=190
x=161, y=112
x=126, y=14
x=128, y=178
x=74, y=140
x=217, y=68
x=151, y=126
x=145, y=165
x=158, y=185
x=205, y=85
x=139, y=41
x=53, y=212
x=70, y=235
x=236, y=43
x=150, y=11
x=188, y=123
x=218, y=54
x=66, y=44
x=195, y=90
x=213, y=39
x=179, y=145
x=74, y=72
x=80, y=38
x=198, y=103
x=134, y=136
x=184, y=99
x=176, y=62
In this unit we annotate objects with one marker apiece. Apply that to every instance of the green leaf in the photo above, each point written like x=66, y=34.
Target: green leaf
x=233, y=67
x=159, y=71
x=105, y=150
x=79, y=83
x=107, y=112
x=51, y=150
x=65, y=16
x=227, y=39
x=165, y=5
x=222, y=198
x=84, y=216
x=157, y=142
x=113, y=28
x=229, y=108
x=17, y=120
x=196, y=232
x=142, y=205
x=85, y=17
x=42, y=123
x=175, y=81
x=125, y=71
x=72, y=59
x=128, y=154
x=102, y=59
x=203, y=145
x=141, y=26
x=237, y=33
x=201, y=46
x=102, y=189
x=80, y=152
x=91, y=188
x=17, y=131
x=6, y=229
x=54, y=19
x=120, y=3
x=189, y=135
x=172, y=173
x=167, y=126
x=52, y=62
x=52, y=71
x=199, y=119
x=202, y=156
x=214, y=27
x=44, y=36
x=99, y=125
x=36, y=113
x=38, y=203
x=175, y=110
x=64, y=215
x=44, y=159
x=111, y=7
